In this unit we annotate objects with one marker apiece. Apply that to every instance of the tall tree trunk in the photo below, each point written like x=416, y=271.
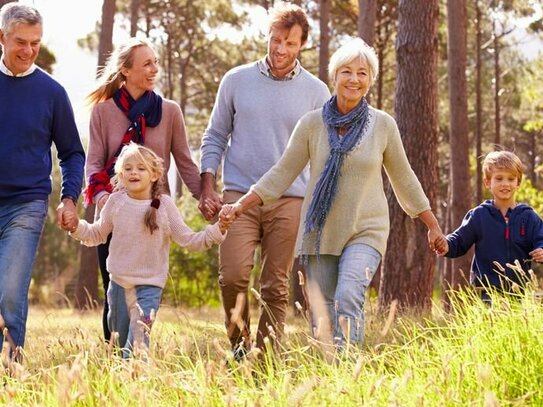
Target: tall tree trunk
x=86, y=289
x=367, y=15
x=324, y=22
x=458, y=135
x=87, y=283
x=134, y=16
x=105, y=45
x=478, y=103
x=409, y=265
x=497, y=122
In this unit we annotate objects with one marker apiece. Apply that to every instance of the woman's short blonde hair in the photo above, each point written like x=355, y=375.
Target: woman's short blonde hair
x=354, y=48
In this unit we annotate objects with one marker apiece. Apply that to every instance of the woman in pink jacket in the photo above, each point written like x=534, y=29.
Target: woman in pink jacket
x=125, y=109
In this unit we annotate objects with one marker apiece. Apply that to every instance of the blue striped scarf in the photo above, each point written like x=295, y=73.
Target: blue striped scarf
x=325, y=191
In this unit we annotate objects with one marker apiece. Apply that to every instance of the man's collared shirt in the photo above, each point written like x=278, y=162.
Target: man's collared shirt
x=5, y=70
x=265, y=69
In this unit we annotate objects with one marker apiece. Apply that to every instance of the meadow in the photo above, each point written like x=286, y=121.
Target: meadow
x=475, y=356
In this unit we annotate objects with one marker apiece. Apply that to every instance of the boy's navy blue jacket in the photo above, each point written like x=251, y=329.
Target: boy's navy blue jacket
x=497, y=238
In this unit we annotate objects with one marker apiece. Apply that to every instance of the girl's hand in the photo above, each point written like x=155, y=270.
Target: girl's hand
x=230, y=212
x=70, y=221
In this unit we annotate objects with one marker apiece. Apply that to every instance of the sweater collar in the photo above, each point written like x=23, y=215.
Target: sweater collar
x=5, y=70
x=265, y=69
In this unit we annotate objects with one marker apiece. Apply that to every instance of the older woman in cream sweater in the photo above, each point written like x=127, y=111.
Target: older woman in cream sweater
x=345, y=215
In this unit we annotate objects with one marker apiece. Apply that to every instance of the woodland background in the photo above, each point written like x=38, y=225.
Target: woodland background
x=452, y=72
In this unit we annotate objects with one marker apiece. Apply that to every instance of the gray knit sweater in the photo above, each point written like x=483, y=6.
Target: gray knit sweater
x=359, y=213
x=252, y=121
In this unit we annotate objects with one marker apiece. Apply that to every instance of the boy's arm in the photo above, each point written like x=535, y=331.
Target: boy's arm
x=461, y=240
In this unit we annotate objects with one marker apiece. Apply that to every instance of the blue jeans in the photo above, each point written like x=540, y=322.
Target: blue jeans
x=21, y=226
x=131, y=314
x=337, y=290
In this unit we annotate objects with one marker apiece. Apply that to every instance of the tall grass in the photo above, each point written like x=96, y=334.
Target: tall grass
x=479, y=355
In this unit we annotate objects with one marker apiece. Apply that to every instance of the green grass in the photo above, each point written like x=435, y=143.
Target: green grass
x=479, y=356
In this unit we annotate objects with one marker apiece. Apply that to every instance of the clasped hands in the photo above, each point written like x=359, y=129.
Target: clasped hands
x=229, y=213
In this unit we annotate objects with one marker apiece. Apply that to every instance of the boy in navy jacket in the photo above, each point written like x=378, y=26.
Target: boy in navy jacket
x=501, y=230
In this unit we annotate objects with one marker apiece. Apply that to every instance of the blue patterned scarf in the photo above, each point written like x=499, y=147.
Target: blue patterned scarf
x=325, y=191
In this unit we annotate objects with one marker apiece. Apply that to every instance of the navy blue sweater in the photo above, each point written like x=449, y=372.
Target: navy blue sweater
x=496, y=239
x=35, y=112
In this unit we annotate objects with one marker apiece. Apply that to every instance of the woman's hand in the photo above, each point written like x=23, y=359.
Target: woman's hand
x=438, y=242
x=230, y=212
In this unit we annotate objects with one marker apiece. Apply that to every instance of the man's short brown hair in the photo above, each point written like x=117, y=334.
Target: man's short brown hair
x=287, y=15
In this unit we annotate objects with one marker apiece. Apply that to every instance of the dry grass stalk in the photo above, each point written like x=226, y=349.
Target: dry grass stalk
x=304, y=388
x=390, y=318
x=235, y=317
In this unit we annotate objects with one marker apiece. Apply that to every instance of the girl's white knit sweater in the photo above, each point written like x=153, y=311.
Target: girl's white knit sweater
x=137, y=257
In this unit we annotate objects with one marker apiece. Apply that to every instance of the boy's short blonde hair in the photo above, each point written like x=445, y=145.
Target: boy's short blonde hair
x=502, y=160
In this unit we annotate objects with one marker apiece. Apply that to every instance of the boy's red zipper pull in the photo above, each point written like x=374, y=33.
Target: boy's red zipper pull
x=506, y=228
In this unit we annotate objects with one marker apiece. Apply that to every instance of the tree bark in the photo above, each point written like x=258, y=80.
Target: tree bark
x=86, y=290
x=87, y=284
x=324, y=41
x=105, y=45
x=478, y=103
x=409, y=265
x=458, y=134
x=367, y=16
x=134, y=16
x=497, y=122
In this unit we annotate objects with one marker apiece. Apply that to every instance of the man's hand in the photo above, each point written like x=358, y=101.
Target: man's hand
x=67, y=215
x=210, y=201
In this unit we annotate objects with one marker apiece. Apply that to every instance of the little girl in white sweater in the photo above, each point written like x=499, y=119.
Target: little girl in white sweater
x=143, y=222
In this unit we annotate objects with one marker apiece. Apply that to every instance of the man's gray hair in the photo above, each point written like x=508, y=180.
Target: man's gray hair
x=13, y=13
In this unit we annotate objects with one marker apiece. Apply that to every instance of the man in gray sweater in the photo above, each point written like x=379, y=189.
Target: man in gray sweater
x=257, y=107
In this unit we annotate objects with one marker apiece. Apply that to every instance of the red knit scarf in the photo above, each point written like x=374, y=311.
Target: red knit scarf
x=142, y=113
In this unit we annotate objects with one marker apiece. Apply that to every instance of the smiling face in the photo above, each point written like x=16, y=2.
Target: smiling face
x=351, y=84
x=283, y=48
x=142, y=74
x=137, y=178
x=503, y=184
x=20, y=45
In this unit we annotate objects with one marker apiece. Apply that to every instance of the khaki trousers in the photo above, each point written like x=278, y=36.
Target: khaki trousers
x=274, y=227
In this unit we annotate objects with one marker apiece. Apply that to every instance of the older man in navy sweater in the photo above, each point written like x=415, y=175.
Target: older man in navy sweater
x=35, y=112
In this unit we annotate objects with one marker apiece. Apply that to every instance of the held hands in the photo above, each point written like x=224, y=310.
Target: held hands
x=67, y=215
x=210, y=204
x=537, y=255
x=210, y=200
x=228, y=214
x=437, y=242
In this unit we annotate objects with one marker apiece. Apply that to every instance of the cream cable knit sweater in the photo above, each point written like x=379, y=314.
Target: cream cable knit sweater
x=359, y=213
